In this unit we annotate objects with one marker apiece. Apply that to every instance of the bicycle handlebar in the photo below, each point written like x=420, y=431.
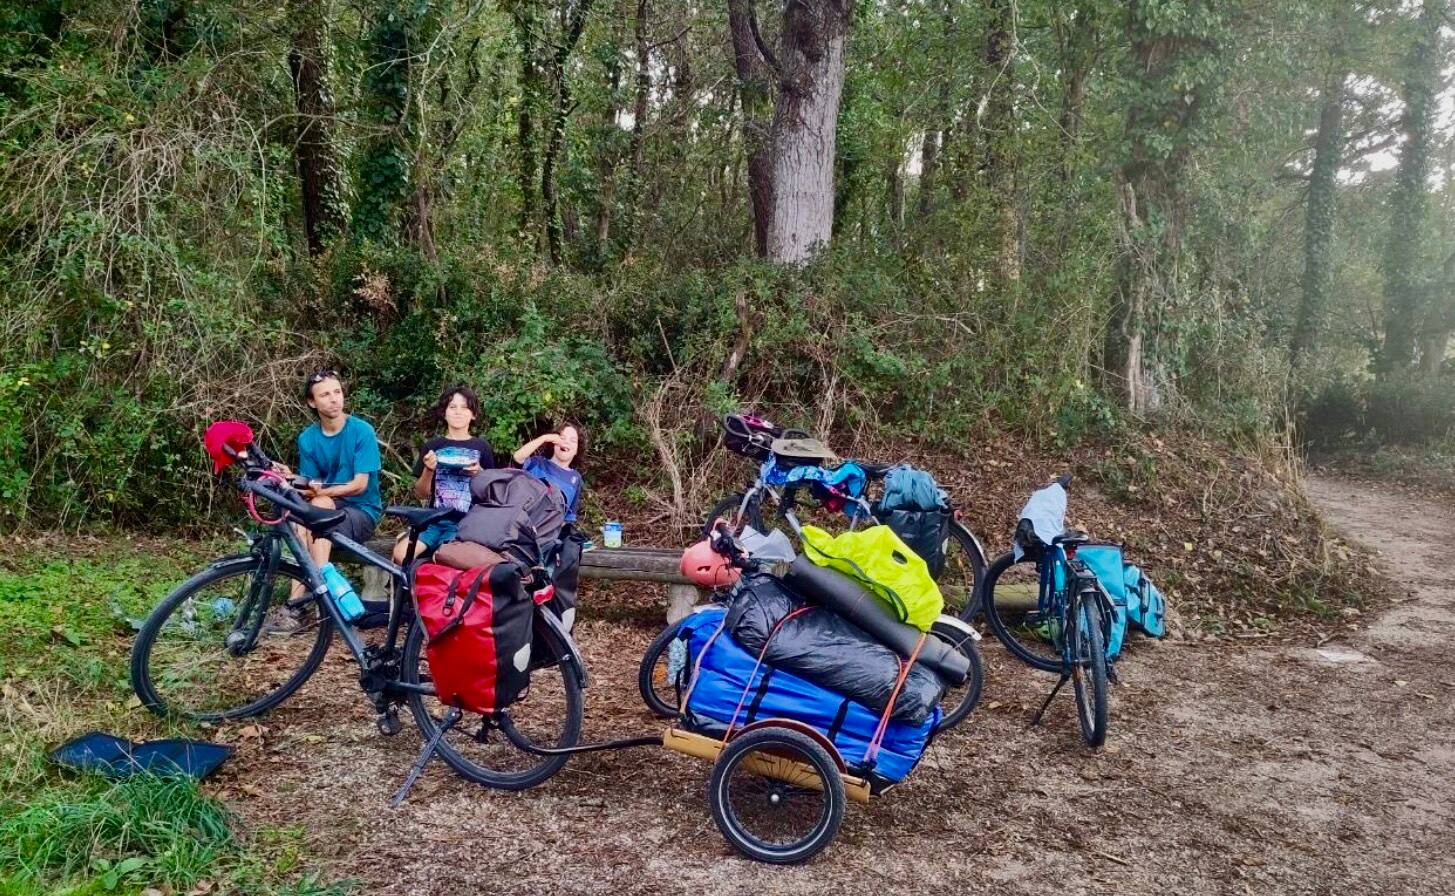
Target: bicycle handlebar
x=287, y=499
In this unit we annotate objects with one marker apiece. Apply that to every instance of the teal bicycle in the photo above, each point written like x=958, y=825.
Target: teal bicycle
x=1049, y=610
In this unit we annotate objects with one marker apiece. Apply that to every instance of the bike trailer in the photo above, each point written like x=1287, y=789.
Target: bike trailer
x=731, y=688
x=478, y=628
x=1137, y=601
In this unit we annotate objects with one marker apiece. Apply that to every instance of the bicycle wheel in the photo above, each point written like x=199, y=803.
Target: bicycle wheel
x=958, y=702
x=211, y=651
x=730, y=508
x=549, y=714
x=1008, y=598
x=661, y=690
x=776, y=795
x=1087, y=641
x=964, y=571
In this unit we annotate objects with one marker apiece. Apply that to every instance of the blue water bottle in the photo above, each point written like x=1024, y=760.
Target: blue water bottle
x=344, y=598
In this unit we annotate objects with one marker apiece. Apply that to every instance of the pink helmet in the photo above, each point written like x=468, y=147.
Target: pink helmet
x=706, y=567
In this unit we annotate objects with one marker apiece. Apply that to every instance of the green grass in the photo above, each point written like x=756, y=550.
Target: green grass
x=69, y=614
x=94, y=836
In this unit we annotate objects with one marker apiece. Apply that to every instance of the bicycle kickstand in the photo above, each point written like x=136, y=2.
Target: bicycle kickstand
x=425, y=755
x=1036, y=719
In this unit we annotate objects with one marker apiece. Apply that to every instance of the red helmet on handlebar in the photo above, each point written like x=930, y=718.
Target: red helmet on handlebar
x=707, y=568
x=224, y=440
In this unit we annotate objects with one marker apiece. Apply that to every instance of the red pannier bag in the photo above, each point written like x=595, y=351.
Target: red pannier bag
x=477, y=623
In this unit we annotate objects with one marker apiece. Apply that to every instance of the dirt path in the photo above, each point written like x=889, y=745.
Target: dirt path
x=1229, y=770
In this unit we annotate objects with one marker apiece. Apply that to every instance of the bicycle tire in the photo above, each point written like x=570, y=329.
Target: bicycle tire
x=1006, y=621
x=537, y=769
x=1088, y=642
x=969, y=696
x=730, y=508
x=144, y=682
x=647, y=673
x=779, y=743
x=964, y=603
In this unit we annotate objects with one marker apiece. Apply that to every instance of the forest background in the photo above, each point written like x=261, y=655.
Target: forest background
x=937, y=220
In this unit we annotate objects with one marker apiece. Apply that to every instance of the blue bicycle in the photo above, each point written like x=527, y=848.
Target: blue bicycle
x=1050, y=611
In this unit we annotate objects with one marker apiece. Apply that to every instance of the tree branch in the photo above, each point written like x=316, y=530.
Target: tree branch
x=758, y=39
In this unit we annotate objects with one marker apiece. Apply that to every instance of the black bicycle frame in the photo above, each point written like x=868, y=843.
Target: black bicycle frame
x=267, y=549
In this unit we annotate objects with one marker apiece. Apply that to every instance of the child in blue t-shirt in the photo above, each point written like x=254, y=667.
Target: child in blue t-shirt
x=555, y=466
x=446, y=465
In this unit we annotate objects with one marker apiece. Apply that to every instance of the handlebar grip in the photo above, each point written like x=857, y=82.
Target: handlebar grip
x=278, y=498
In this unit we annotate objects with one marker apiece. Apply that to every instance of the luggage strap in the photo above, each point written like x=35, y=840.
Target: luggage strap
x=904, y=667
x=480, y=579
x=733, y=722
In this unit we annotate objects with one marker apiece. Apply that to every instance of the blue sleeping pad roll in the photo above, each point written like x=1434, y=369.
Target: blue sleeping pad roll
x=727, y=670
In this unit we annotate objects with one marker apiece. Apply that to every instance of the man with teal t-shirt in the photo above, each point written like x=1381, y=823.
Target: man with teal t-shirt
x=339, y=456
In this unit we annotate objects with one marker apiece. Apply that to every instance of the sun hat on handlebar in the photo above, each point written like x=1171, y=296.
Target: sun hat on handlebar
x=224, y=440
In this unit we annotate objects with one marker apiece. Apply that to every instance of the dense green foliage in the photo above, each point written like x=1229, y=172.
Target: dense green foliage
x=552, y=201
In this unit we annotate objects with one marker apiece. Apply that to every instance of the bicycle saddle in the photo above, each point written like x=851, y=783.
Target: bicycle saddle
x=418, y=517
x=1071, y=537
x=316, y=519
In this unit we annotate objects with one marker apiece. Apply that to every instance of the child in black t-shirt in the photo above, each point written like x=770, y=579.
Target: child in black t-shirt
x=447, y=463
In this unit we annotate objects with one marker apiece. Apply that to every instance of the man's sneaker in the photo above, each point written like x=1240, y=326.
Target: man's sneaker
x=281, y=619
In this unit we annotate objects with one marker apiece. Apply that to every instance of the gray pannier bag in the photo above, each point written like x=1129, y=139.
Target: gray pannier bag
x=514, y=513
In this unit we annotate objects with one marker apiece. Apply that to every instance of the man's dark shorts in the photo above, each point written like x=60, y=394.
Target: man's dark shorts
x=357, y=525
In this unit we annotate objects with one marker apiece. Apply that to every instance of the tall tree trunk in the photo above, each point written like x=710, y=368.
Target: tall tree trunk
x=641, y=94
x=932, y=148
x=1439, y=320
x=527, y=30
x=574, y=23
x=1167, y=56
x=313, y=151
x=1122, y=355
x=755, y=86
x=929, y=170
x=805, y=123
x=1319, y=215
x=1000, y=157
x=385, y=158
x=1410, y=200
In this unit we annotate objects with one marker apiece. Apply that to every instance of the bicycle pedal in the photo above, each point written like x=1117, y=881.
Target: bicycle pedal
x=388, y=723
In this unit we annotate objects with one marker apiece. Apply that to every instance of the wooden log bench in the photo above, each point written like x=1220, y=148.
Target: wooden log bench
x=629, y=564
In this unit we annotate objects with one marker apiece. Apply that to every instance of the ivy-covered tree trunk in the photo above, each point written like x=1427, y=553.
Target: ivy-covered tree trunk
x=1319, y=214
x=383, y=171
x=1169, y=81
x=573, y=22
x=1409, y=204
x=313, y=151
x=755, y=90
x=1000, y=129
x=805, y=124
x=525, y=16
x=641, y=95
